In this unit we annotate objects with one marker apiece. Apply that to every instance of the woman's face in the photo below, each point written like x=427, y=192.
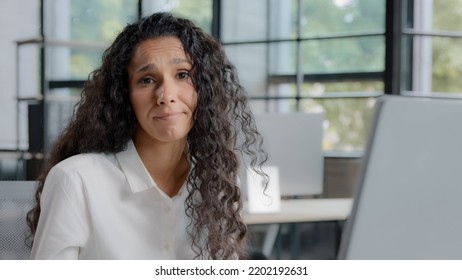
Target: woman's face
x=161, y=90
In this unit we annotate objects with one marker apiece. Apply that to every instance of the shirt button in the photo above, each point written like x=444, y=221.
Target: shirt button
x=168, y=209
x=167, y=247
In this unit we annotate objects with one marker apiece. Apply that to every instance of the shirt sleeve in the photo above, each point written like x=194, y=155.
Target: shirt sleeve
x=63, y=226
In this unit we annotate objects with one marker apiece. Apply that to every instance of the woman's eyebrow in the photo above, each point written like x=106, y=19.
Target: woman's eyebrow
x=180, y=61
x=146, y=67
x=152, y=66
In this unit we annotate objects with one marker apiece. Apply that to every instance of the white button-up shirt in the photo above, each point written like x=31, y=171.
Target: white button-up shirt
x=106, y=206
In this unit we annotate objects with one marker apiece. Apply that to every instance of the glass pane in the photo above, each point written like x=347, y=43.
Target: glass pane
x=283, y=19
x=338, y=88
x=283, y=90
x=100, y=20
x=344, y=55
x=73, y=63
x=328, y=89
x=436, y=15
x=77, y=32
x=258, y=20
x=347, y=121
x=283, y=58
x=243, y=20
x=198, y=11
x=251, y=63
x=344, y=16
x=436, y=65
x=446, y=14
x=272, y=106
x=447, y=65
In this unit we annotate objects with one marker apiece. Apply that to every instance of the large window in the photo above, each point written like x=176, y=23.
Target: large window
x=291, y=55
x=432, y=36
x=311, y=55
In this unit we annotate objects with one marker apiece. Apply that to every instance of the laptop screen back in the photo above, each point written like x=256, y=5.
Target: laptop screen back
x=408, y=203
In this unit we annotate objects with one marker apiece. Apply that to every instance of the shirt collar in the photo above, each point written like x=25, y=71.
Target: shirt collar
x=137, y=176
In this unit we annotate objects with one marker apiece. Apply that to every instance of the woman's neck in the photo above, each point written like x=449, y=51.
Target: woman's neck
x=167, y=163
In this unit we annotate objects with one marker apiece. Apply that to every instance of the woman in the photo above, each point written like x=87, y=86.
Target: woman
x=147, y=167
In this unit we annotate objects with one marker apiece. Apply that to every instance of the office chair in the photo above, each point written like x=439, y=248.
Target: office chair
x=16, y=199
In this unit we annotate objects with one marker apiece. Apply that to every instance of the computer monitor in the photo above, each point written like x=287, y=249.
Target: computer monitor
x=293, y=142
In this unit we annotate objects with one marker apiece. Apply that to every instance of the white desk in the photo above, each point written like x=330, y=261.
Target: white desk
x=304, y=210
x=299, y=211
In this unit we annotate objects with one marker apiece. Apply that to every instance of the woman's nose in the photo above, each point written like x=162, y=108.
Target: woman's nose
x=166, y=93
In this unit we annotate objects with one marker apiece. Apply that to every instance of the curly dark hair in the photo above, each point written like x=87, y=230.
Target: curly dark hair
x=223, y=130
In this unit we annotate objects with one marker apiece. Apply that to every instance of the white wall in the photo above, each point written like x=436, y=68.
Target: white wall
x=19, y=20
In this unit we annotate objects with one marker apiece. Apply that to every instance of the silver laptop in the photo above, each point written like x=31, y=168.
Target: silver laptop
x=408, y=204
x=293, y=142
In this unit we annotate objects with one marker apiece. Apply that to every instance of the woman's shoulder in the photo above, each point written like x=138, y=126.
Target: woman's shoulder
x=87, y=161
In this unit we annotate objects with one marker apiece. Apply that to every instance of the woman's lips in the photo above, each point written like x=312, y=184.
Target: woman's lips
x=168, y=116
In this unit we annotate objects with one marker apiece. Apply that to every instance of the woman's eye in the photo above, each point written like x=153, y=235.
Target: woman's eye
x=146, y=81
x=183, y=75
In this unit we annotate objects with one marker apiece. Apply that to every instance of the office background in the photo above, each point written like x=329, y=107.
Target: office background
x=335, y=56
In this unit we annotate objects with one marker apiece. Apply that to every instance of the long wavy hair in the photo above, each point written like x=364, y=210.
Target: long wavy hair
x=223, y=130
